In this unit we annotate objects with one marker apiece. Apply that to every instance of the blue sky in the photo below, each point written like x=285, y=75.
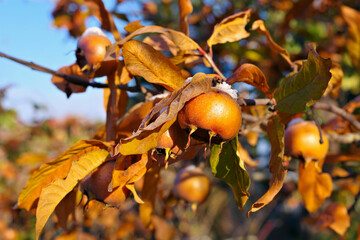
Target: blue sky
x=26, y=33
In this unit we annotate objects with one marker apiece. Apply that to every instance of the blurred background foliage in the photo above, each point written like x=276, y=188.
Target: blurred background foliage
x=292, y=24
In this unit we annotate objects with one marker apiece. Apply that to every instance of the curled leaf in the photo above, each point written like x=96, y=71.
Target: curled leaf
x=304, y=88
x=139, y=59
x=334, y=85
x=186, y=8
x=275, y=131
x=252, y=75
x=259, y=26
x=230, y=29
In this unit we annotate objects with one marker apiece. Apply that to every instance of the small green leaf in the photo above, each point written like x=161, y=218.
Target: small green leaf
x=305, y=87
x=226, y=165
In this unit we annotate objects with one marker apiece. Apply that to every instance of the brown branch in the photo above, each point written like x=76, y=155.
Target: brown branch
x=211, y=61
x=338, y=111
x=69, y=78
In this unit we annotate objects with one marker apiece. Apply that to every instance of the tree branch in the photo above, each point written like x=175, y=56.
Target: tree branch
x=255, y=102
x=213, y=65
x=338, y=111
x=69, y=78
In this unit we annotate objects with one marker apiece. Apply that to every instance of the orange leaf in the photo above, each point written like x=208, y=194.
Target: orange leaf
x=334, y=84
x=139, y=59
x=230, y=29
x=66, y=208
x=244, y=155
x=336, y=217
x=57, y=168
x=314, y=186
x=250, y=74
x=275, y=131
x=133, y=26
x=260, y=27
x=186, y=8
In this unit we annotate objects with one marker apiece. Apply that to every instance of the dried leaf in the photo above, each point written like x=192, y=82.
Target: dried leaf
x=305, y=87
x=226, y=165
x=57, y=168
x=244, y=155
x=52, y=194
x=259, y=25
x=314, y=186
x=97, y=8
x=140, y=60
x=132, y=174
x=352, y=19
x=250, y=74
x=275, y=132
x=230, y=29
x=66, y=208
x=166, y=111
x=64, y=85
x=185, y=8
x=162, y=43
x=336, y=217
x=334, y=85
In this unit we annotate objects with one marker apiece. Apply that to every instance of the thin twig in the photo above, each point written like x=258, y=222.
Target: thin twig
x=212, y=63
x=69, y=78
x=338, y=111
x=255, y=102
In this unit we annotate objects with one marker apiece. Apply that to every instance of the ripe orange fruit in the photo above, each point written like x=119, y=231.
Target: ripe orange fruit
x=191, y=184
x=95, y=186
x=215, y=113
x=302, y=139
x=90, y=54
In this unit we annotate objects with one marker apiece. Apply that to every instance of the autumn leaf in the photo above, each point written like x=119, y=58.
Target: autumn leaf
x=336, y=217
x=314, y=186
x=304, y=88
x=139, y=59
x=275, y=131
x=259, y=26
x=52, y=194
x=352, y=19
x=64, y=85
x=166, y=112
x=133, y=26
x=162, y=43
x=185, y=8
x=334, y=85
x=97, y=8
x=57, y=168
x=230, y=29
x=245, y=156
x=252, y=75
x=66, y=208
x=226, y=165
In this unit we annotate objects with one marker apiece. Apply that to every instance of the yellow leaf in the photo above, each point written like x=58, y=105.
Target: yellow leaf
x=334, y=84
x=57, y=168
x=230, y=29
x=133, y=26
x=313, y=186
x=140, y=60
x=52, y=194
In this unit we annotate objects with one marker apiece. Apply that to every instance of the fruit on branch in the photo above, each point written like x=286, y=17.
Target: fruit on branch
x=95, y=186
x=191, y=184
x=213, y=115
x=302, y=140
x=90, y=53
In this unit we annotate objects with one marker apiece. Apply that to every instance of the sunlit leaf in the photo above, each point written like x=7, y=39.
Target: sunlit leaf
x=250, y=74
x=65, y=208
x=185, y=8
x=352, y=19
x=259, y=25
x=166, y=112
x=162, y=43
x=52, y=194
x=230, y=29
x=305, y=87
x=140, y=61
x=275, y=131
x=336, y=217
x=133, y=26
x=226, y=165
x=57, y=168
x=334, y=85
x=314, y=186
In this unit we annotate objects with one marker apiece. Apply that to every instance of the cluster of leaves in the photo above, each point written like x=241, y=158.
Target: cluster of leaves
x=160, y=59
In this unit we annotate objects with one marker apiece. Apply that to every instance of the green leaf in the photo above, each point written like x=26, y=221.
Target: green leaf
x=52, y=194
x=226, y=165
x=305, y=87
